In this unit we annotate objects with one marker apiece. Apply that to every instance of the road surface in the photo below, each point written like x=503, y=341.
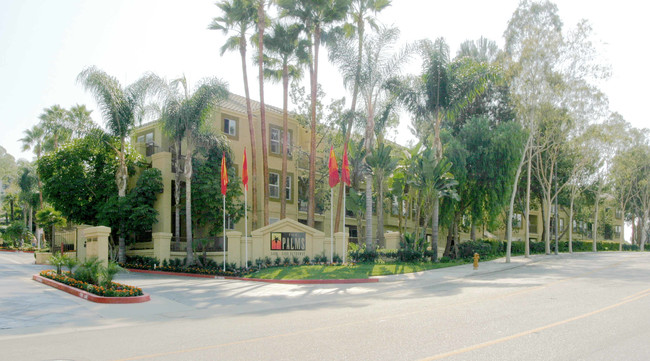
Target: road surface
x=568, y=307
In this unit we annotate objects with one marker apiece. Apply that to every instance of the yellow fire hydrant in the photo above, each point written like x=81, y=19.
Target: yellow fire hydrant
x=476, y=258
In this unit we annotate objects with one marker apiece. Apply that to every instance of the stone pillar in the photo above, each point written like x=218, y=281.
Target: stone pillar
x=234, y=248
x=392, y=240
x=242, y=250
x=81, y=242
x=161, y=245
x=97, y=243
x=163, y=204
x=341, y=245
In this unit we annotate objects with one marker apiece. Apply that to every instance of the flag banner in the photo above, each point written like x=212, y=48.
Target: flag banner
x=224, y=175
x=334, y=169
x=345, y=169
x=244, y=173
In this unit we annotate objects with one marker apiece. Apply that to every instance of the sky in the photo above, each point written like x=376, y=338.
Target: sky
x=45, y=44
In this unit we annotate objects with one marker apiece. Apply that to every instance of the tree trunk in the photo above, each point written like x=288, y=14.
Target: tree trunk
x=527, y=210
x=312, y=151
x=594, y=231
x=121, y=180
x=512, y=201
x=434, y=229
x=353, y=107
x=188, y=202
x=380, y=212
x=251, y=127
x=547, y=225
x=369, y=243
x=571, y=223
x=285, y=137
x=450, y=238
x=472, y=231
x=644, y=221
x=177, y=196
x=261, y=22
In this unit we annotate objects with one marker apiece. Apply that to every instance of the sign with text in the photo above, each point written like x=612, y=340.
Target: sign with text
x=288, y=241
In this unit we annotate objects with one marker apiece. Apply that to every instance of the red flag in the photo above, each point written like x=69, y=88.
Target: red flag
x=345, y=169
x=334, y=169
x=244, y=173
x=224, y=175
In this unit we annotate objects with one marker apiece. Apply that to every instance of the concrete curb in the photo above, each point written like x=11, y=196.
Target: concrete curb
x=295, y=282
x=89, y=296
x=15, y=251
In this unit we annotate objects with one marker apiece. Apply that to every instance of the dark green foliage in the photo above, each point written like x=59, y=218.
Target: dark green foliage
x=337, y=259
x=286, y=261
x=142, y=261
x=363, y=255
x=409, y=255
x=305, y=260
x=207, y=205
x=16, y=232
x=296, y=260
x=277, y=261
x=88, y=271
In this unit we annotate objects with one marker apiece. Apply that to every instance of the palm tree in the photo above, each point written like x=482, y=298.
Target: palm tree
x=79, y=121
x=34, y=139
x=121, y=108
x=54, y=123
x=261, y=25
x=284, y=61
x=184, y=116
x=362, y=12
x=238, y=17
x=432, y=97
x=381, y=164
x=316, y=16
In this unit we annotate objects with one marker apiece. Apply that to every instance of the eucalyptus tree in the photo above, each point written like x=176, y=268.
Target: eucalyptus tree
x=285, y=58
x=317, y=17
x=238, y=17
x=121, y=108
x=361, y=12
x=188, y=113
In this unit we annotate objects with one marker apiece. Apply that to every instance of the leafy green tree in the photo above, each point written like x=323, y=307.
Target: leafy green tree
x=17, y=232
x=49, y=218
x=189, y=113
x=53, y=121
x=317, y=17
x=122, y=108
x=284, y=60
x=239, y=16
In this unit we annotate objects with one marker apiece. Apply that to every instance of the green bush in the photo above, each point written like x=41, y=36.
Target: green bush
x=409, y=255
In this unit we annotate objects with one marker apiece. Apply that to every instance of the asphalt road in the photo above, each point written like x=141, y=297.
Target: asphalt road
x=567, y=307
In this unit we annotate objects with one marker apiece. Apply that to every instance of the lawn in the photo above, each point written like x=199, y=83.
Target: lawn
x=365, y=270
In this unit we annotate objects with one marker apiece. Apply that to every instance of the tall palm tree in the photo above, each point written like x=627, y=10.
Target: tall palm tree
x=432, y=96
x=382, y=164
x=79, y=121
x=261, y=26
x=378, y=66
x=362, y=12
x=34, y=139
x=122, y=108
x=186, y=114
x=238, y=17
x=284, y=60
x=54, y=123
x=317, y=17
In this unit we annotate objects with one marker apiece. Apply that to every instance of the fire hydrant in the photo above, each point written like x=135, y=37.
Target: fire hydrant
x=476, y=258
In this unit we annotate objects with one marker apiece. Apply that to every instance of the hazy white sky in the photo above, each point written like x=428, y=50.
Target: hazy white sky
x=45, y=44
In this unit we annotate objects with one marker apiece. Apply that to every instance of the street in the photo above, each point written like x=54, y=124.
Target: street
x=567, y=307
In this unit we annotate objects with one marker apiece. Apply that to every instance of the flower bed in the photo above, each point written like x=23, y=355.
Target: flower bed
x=118, y=289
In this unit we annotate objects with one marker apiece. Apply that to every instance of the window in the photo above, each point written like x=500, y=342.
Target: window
x=619, y=213
x=516, y=220
x=229, y=223
x=145, y=138
x=230, y=127
x=274, y=186
x=561, y=224
x=276, y=141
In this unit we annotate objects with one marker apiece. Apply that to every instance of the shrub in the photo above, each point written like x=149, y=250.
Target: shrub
x=88, y=271
x=277, y=261
x=305, y=260
x=337, y=259
x=296, y=260
x=445, y=259
x=362, y=255
x=286, y=261
x=409, y=255
x=106, y=274
x=57, y=260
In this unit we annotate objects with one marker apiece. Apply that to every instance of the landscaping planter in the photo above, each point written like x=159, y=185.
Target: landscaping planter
x=89, y=296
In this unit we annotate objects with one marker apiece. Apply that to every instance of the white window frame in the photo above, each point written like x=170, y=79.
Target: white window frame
x=274, y=187
x=231, y=126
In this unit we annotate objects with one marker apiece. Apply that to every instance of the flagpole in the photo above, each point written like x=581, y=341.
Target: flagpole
x=344, y=231
x=224, y=233
x=332, y=224
x=246, y=222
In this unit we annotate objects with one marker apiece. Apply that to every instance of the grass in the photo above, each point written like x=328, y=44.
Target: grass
x=363, y=270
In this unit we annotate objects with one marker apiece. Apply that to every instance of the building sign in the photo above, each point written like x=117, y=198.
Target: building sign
x=288, y=241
